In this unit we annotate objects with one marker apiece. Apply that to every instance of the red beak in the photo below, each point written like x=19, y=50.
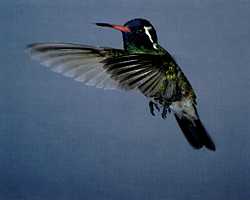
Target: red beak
x=116, y=27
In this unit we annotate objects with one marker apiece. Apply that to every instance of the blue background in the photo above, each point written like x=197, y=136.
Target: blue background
x=62, y=140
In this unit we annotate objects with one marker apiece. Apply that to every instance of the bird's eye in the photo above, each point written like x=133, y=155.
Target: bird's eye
x=139, y=31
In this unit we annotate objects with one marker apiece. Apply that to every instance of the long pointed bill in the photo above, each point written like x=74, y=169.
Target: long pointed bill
x=116, y=27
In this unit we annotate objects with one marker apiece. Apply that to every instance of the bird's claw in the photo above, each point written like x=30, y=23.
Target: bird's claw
x=152, y=106
x=165, y=111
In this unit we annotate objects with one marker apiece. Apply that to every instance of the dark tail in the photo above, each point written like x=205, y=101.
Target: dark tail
x=195, y=132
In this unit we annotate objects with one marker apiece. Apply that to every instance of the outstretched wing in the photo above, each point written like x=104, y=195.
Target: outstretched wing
x=102, y=67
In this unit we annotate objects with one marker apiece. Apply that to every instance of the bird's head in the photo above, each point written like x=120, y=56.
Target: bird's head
x=138, y=34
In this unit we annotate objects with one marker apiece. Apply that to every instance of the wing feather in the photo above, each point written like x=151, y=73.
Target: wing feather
x=101, y=67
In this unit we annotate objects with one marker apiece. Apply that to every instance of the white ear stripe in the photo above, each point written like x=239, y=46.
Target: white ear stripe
x=147, y=28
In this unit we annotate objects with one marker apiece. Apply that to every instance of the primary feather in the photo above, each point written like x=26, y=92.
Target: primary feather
x=106, y=68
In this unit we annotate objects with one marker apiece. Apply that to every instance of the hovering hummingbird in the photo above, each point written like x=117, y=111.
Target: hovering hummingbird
x=142, y=65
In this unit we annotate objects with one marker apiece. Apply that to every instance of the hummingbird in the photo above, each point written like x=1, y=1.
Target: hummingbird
x=142, y=65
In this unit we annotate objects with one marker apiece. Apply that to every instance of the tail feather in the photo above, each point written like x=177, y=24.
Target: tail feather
x=195, y=133
x=188, y=119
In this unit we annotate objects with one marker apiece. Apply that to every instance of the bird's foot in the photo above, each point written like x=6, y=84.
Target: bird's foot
x=152, y=107
x=165, y=111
